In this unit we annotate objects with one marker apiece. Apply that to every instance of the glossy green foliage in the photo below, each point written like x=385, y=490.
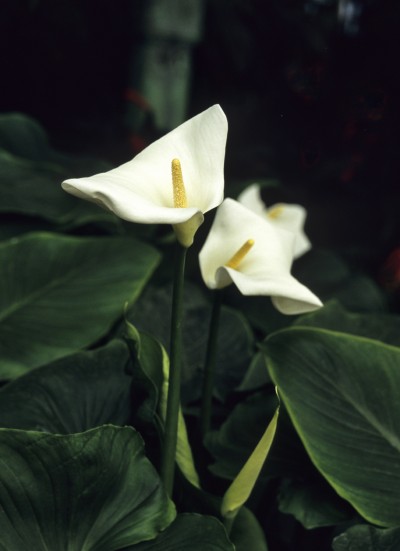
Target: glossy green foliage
x=342, y=394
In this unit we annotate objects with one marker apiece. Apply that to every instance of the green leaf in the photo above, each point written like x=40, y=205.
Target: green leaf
x=33, y=188
x=322, y=271
x=153, y=365
x=367, y=538
x=333, y=316
x=305, y=493
x=246, y=533
x=342, y=395
x=152, y=314
x=239, y=491
x=12, y=225
x=328, y=276
x=72, y=394
x=361, y=294
x=311, y=504
x=260, y=311
x=147, y=379
x=256, y=375
x=31, y=173
x=59, y=294
x=189, y=531
x=23, y=136
x=93, y=491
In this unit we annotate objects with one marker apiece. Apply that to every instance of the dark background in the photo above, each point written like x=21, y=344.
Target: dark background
x=311, y=98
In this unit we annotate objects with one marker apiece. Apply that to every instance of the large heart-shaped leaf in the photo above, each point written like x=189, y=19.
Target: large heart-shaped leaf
x=59, y=294
x=189, y=531
x=72, y=394
x=342, y=393
x=92, y=491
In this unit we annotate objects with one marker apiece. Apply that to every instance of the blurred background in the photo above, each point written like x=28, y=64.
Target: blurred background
x=310, y=89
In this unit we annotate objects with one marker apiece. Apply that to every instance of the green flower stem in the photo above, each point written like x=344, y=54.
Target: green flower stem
x=209, y=368
x=173, y=402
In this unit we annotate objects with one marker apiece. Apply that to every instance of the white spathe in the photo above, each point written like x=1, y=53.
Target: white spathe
x=265, y=269
x=141, y=189
x=288, y=216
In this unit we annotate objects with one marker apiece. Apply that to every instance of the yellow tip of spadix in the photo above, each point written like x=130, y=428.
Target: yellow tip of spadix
x=274, y=212
x=240, y=254
x=178, y=185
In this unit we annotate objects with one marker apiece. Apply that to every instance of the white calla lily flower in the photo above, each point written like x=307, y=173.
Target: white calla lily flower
x=290, y=217
x=256, y=255
x=175, y=180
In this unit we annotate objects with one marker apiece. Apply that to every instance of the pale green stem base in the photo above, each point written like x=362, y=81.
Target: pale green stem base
x=173, y=402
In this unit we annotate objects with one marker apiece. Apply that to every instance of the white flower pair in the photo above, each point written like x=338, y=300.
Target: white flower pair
x=180, y=177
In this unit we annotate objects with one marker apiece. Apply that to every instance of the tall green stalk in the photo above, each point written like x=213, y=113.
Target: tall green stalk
x=210, y=364
x=173, y=402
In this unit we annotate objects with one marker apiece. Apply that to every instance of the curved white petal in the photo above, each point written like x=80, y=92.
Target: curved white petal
x=265, y=270
x=141, y=190
x=251, y=198
x=288, y=295
x=291, y=217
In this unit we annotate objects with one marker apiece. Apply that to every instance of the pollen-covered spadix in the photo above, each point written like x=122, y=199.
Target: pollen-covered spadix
x=178, y=185
x=240, y=254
